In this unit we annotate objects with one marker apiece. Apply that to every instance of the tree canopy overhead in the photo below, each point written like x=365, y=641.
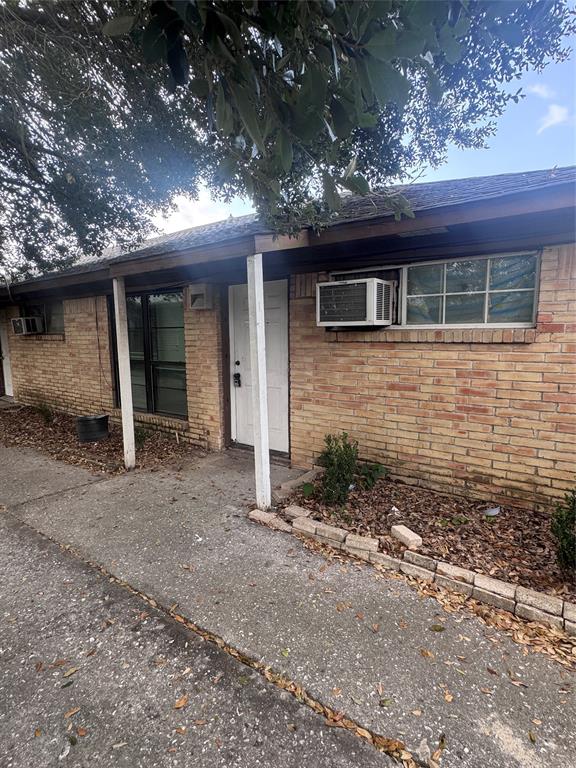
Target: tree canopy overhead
x=110, y=107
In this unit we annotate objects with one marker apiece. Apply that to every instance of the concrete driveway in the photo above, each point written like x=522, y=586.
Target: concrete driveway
x=361, y=643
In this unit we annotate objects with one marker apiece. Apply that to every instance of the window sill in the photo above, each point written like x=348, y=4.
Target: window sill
x=143, y=417
x=43, y=336
x=399, y=334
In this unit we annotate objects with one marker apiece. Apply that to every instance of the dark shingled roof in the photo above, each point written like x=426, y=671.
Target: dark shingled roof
x=422, y=197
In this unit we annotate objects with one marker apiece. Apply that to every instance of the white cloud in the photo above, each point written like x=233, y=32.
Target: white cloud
x=193, y=213
x=555, y=115
x=542, y=90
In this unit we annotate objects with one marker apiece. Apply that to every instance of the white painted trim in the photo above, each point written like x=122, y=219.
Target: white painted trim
x=124, y=375
x=232, y=348
x=476, y=326
x=257, y=329
x=5, y=351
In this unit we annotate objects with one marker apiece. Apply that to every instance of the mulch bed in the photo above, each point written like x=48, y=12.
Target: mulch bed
x=54, y=434
x=515, y=546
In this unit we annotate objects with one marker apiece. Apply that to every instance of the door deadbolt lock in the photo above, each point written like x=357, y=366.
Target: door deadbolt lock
x=237, y=380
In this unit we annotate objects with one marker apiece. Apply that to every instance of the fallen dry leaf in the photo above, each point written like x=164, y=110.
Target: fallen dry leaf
x=514, y=546
x=181, y=702
x=70, y=672
x=37, y=733
x=81, y=731
x=200, y=722
x=536, y=721
x=180, y=730
x=72, y=712
x=336, y=691
x=416, y=712
x=426, y=653
x=448, y=697
x=532, y=737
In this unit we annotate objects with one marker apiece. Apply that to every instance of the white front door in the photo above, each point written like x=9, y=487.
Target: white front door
x=276, y=313
x=5, y=357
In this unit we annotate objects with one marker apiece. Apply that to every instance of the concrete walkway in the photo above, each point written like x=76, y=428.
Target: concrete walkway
x=90, y=675
x=359, y=643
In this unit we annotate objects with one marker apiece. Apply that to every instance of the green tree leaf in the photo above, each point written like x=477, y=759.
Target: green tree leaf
x=453, y=50
x=224, y=113
x=285, y=151
x=382, y=44
x=390, y=85
x=154, y=41
x=356, y=183
x=248, y=114
x=118, y=26
x=331, y=196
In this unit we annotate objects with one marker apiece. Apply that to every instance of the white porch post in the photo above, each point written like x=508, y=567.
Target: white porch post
x=124, y=376
x=257, y=328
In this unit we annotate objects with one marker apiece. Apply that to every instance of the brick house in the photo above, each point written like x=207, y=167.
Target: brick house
x=469, y=388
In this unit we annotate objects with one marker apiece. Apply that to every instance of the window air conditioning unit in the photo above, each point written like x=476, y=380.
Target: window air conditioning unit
x=24, y=326
x=368, y=301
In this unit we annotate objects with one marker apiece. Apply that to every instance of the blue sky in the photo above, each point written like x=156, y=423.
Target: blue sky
x=538, y=132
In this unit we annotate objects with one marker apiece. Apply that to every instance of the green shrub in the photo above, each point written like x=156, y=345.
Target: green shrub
x=46, y=412
x=340, y=461
x=141, y=434
x=564, y=530
x=370, y=473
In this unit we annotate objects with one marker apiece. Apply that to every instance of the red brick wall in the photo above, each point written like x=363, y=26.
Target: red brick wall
x=73, y=371
x=204, y=375
x=69, y=371
x=490, y=412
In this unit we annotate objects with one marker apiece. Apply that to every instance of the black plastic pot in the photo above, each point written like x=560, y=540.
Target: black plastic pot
x=91, y=428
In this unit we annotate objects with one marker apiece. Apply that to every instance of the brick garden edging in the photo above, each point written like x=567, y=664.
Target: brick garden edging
x=524, y=603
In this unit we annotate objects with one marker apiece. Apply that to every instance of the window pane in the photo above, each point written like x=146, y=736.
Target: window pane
x=514, y=307
x=425, y=279
x=166, y=310
x=138, y=384
x=513, y=272
x=135, y=327
x=170, y=390
x=54, y=313
x=422, y=310
x=465, y=308
x=167, y=327
x=465, y=276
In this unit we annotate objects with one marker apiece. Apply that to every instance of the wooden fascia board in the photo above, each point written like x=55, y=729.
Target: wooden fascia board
x=199, y=255
x=58, y=281
x=321, y=262
x=536, y=201
x=269, y=243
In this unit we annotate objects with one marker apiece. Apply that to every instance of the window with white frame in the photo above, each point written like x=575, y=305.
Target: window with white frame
x=495, y=290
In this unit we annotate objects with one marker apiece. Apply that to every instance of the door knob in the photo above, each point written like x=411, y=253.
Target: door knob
x=237, y=380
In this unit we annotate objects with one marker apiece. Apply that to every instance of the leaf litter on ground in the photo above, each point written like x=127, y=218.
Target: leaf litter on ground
x=515, y=545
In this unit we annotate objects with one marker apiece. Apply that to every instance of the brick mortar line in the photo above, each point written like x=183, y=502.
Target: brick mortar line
x=392, y=747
